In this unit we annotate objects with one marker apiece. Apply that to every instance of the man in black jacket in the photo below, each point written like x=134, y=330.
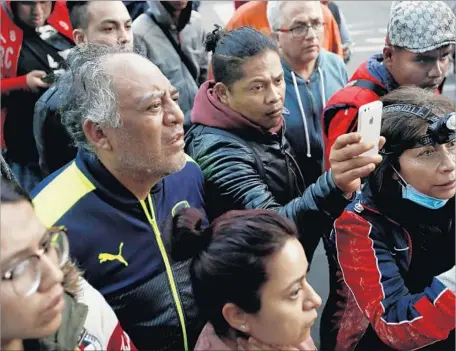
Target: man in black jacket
x=92, y=22
x=238, y=141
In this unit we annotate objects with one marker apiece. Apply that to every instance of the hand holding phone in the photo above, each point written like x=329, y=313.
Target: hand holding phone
x=49, y=78
x=369, y=125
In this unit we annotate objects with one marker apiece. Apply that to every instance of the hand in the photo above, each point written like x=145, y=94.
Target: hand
x=348, y=166
x=254, y=345
x=34, y=81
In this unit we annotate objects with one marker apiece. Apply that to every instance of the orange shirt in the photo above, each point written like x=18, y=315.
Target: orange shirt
x=251, y=14
x=254, y=14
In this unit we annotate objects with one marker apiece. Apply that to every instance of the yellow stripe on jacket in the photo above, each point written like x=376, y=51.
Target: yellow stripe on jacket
x=61, y=194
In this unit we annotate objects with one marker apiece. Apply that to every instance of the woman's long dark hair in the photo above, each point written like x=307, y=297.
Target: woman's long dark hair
x=229, y=257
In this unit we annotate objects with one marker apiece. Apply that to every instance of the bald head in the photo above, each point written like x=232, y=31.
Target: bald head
x=129, y=63
x=135, y=78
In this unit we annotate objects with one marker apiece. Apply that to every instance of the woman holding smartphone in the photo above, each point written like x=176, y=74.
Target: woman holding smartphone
x=392, y=252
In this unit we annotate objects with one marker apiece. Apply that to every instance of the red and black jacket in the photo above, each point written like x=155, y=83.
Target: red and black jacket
x=386, y=286
x=11, y=36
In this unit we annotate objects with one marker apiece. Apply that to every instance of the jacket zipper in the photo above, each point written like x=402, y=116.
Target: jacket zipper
x=151, y=218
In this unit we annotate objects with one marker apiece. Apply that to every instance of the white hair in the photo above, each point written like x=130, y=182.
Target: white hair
x=87, y=92
x=274, y=14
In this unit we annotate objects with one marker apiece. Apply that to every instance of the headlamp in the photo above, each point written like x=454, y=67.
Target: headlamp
x=440, y=130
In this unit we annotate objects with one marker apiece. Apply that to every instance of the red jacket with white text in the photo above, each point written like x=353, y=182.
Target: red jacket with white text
x=11, y=44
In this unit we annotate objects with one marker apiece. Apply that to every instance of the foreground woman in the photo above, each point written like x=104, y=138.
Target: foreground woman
x=249, y=280
x=46, y=305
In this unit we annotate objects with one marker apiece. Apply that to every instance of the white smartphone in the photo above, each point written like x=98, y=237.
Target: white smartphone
x=369, y=125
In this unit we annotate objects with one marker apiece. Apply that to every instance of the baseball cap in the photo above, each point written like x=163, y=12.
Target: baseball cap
x=421, y=26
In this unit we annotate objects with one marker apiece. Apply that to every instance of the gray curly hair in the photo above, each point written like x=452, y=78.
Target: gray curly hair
x=86, y=91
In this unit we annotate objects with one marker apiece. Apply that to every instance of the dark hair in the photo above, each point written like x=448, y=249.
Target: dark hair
x=79, y=15
x=11, y=192
x=401, y=128
x=230, y=49
x=229, y=257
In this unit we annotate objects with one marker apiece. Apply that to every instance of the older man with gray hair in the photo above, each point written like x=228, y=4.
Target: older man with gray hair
x=129, y=176
x=312, y=76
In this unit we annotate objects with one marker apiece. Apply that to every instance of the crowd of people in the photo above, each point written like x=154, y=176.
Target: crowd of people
x=164, y=188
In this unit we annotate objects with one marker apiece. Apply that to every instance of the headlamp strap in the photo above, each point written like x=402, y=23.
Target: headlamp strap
x=419, y=111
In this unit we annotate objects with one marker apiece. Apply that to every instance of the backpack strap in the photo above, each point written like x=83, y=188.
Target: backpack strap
x=185, y=59
x=370, y=85
x=330, y=112
x=200, y=128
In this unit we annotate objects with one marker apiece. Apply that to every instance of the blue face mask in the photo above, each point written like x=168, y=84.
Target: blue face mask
x=411, y=194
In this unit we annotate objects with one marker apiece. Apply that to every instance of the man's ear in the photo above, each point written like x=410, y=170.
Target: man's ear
x=274, y=36
x=388, y=52
x=96, y=136
x=79, y=36
x=222, y=92
x=236, y=317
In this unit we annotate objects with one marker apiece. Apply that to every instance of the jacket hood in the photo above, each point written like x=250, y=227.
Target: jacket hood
x=374, y=70
x=163, y=11
x=210, y=111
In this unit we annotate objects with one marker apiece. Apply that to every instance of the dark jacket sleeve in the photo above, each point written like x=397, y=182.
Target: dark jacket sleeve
x=402, y=320
x=233, y=182
x=55, y=146
x=42, y=110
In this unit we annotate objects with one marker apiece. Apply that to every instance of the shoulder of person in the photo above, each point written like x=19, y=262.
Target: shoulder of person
x=196, y=18
x=50, y=98
x=332, y=59
x=143, y=24
x=210, y=139
x=192, y=168
x=101, y=327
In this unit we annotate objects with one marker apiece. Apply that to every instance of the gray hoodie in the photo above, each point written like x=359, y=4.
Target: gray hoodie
x=189, y=33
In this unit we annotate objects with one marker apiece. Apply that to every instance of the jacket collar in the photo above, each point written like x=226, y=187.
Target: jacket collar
x=70, y=330
x=377, y=68
x=210, y=111
x=392, y=206
x=162, y=14
x=104, y=181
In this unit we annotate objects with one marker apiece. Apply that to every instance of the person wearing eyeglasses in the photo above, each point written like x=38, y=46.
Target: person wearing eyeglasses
x=392, y=251
x=46, y=305
x=312, y=76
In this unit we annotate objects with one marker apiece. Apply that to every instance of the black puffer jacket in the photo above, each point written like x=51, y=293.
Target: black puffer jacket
x=234, y=180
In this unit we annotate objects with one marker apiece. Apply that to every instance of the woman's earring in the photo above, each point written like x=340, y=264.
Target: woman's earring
x=243, y=327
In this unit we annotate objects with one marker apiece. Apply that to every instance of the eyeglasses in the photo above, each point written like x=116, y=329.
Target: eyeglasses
x=303, y=29
x=25, y=276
